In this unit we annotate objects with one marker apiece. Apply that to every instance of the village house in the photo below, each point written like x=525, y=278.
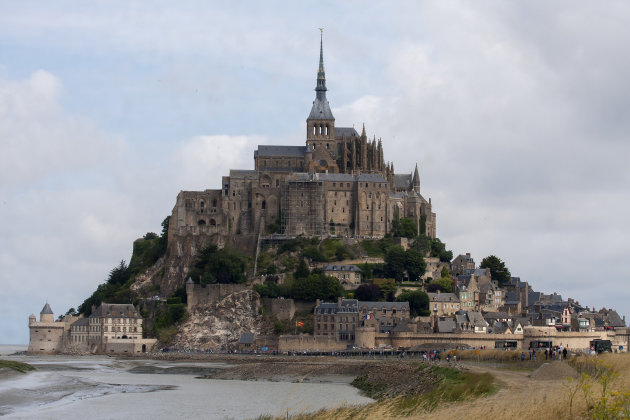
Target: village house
x=442, y=304
x=349, y=276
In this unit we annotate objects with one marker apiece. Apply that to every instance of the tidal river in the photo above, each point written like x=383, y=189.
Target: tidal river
x=98, y=387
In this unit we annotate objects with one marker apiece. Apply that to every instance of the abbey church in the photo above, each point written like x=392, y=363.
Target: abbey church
x=336, y=184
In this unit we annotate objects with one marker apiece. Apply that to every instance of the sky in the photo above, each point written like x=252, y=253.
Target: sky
x=517, y=114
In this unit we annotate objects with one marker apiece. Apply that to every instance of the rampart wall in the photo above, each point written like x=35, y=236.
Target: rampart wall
x=198, y=294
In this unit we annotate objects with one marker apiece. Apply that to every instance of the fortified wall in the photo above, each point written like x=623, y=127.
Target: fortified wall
x=367, y=337
x=204, y=294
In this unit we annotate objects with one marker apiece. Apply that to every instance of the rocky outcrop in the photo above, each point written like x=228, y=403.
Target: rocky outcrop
x=219, y=325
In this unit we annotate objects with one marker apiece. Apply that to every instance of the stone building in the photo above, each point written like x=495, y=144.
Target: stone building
x=336, y=184
x=441, y=304
x=112, y=328
x=349, y=275
x=341, y=319
x=110, y=322
x=48, y=336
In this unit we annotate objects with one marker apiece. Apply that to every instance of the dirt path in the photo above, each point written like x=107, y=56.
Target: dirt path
x=519, y=397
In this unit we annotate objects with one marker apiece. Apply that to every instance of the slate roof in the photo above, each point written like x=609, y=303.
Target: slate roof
x=336, y=177
x=345, y=131
x=115, y=310
x=446, y=326
x=443, y=297
x=242, y=173
x=371, y=178
x=321, y=109
x=348, y=267
x=386, y=305
x=279, y=151
x=46, y=310
x=402, y=180
x=81, y=322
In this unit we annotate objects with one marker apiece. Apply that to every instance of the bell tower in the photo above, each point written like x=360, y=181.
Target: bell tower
x=320, y=124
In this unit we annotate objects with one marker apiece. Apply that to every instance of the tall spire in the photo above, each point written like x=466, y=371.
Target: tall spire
x=416, y=180
x=321, y=73
x=321, y=109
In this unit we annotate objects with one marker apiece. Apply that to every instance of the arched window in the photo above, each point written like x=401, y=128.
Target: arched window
x=264, y=204
x=201, y=222
x=201, y=204
x=213, y=222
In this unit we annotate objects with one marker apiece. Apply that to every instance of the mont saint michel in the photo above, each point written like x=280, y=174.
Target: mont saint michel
x=421, y=218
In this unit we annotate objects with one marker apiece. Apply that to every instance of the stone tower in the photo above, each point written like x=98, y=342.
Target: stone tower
x=46, y=315
x=320, y=124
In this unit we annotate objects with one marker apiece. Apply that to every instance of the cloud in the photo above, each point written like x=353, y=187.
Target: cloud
x=39, y=140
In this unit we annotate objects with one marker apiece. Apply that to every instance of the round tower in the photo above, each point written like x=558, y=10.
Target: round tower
x=46, y=315
x=32, y=319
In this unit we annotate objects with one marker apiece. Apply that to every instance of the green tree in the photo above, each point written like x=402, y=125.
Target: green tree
x=395, y=260
x=418, y=302
x=415, y=264
x=404, y=228
x=316, y=286
x=445, y=273
x=368, y=292
x=302, y=270
x=498, y=270
x=438, y=249
x=214, y=265
x=445, y=284
x=119, y=274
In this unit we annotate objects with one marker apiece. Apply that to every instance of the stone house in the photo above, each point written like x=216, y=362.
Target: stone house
x=340, y=319
x=349, y=276
x=462, y=264
x=467, y=291
x=442, y=304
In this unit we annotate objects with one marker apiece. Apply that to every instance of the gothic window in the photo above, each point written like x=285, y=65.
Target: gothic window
x=201, y=204
x=264, y=204
x=214, y=202
x=201, y=222
x=327, y=146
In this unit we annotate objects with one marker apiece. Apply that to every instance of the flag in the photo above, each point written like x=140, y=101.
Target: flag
x=299, y=324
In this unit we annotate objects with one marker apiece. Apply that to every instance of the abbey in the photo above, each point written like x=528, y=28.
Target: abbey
x=338, y=183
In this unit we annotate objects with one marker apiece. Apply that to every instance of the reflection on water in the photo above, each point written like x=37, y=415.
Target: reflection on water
x=106, y=387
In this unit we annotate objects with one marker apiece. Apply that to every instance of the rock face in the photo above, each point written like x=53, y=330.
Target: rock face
x=219, y=325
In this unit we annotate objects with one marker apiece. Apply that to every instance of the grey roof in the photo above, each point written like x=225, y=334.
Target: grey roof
x=336, y=177
x=242, y=173
x=46, y=310
x=321, y=109
x=476, y=319
x=347, y=305
x=371, y=178
x=345, y=131
x=386, y=305
x=283, y=151
x=246, y=338
x=496, y=315
x=443, y=297
x=511, y=298
x=402, y=180
x=446, y=325
x=348, y=267
x=80, y=322
x=116, y=310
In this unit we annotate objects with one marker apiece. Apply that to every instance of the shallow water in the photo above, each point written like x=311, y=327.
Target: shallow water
x=104, y=388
